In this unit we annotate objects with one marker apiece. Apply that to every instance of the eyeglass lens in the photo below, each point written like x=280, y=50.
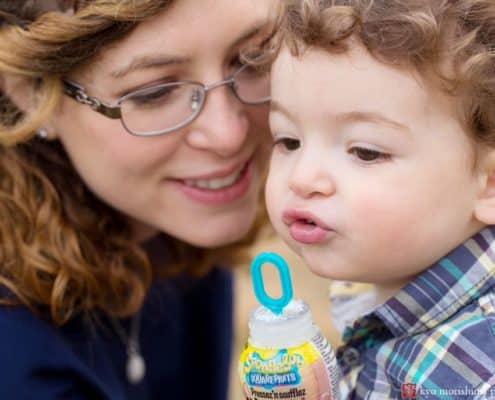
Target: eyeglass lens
x=164, y=108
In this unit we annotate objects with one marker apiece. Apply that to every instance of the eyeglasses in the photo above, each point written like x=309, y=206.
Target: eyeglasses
x=164, y=108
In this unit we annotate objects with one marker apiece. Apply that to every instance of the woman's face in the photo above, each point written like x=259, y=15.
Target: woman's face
x=156, y=181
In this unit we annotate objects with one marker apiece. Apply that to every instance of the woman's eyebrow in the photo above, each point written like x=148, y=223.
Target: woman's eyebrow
x=159, y=60
x=148, y=61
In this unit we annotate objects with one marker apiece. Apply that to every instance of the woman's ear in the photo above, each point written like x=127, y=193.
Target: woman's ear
x=19, y=90
x=484, y=209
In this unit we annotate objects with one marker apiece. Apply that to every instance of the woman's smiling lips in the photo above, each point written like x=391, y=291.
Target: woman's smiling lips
x=305, y=227
x=220, y=187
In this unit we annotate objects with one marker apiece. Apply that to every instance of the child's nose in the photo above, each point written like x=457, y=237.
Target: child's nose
x=310, y=178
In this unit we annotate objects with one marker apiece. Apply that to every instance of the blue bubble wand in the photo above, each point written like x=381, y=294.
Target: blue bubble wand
x=274, y=305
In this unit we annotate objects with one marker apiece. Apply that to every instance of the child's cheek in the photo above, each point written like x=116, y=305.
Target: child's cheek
x=382, y=220
x=275, y=191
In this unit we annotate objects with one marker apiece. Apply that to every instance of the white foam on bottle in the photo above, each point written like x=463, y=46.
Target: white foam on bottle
x=290, y=328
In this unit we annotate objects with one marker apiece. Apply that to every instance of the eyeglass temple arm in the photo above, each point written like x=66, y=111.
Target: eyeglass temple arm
x=78, y=93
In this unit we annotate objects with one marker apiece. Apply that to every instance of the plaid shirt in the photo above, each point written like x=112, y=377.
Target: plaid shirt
x=435, y=339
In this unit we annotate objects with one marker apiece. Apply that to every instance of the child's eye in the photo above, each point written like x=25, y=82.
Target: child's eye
x=368, y=155
x=289, y=144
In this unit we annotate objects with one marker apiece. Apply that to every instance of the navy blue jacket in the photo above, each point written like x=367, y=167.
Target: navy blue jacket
x=185, y=338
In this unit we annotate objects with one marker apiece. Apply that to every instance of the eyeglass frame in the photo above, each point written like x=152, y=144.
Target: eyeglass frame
x=114, y=111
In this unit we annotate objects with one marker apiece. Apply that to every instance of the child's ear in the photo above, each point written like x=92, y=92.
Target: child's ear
x=484, y=210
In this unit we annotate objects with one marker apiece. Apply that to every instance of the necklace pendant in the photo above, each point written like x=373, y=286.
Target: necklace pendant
x=136, y=367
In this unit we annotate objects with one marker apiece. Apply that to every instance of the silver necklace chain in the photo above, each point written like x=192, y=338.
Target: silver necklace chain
x=135, y=367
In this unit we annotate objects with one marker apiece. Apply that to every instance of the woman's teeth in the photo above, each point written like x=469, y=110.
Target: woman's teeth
x=217, y=183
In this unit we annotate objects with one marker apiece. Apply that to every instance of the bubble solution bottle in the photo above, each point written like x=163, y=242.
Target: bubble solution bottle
x=286, y=356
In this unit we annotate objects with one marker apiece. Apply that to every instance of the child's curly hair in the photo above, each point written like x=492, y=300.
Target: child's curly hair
x=427, y=35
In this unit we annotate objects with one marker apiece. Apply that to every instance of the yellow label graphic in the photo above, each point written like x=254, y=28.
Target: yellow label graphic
x=297, y=373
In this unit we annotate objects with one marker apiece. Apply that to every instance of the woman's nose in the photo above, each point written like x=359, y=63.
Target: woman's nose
x=223, y=124
x=310, y=177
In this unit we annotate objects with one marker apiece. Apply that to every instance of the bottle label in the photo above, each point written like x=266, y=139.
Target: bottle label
x=305, y=372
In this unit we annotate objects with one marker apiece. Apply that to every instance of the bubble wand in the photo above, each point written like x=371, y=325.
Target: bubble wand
x=286, y=356
x=274, y=305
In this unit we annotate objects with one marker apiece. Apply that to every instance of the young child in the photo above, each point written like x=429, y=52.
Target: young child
x=383, y=171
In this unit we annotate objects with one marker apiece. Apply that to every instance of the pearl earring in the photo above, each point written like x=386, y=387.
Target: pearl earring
x=42, y=133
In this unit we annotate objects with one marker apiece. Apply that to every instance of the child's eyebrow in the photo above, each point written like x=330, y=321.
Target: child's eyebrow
x=275, y=106
x=369, y=116
x=349, y=117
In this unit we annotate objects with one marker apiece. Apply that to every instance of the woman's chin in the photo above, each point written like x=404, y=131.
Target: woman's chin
x=206, y=230
x=218, y=239
x=218, y=236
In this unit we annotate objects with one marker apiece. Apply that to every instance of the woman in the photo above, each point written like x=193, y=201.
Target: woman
x=133, y=149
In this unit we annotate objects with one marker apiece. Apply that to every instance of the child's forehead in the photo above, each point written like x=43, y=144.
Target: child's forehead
x=321, y=91
x=327, y=65
x=344, y=80
x=451, y=49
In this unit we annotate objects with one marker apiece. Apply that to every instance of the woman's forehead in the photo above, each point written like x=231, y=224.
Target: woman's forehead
x=185, y=32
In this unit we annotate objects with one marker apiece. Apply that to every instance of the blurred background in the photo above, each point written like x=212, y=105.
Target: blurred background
x=308, y=287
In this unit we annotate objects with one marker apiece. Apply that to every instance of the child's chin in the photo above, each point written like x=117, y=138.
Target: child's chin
x=325, y=274
x=294, y=246
x=328, y=270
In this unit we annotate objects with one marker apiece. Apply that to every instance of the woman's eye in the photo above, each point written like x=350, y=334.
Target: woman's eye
x=288, y=143
x=153, y=95
x=368, y=155
x=236, y=62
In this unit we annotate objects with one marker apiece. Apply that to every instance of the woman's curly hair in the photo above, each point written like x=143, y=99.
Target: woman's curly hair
x=451, y=40
x=62, y=250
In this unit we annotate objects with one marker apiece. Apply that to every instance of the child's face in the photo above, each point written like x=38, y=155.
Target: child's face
x=371, y=177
